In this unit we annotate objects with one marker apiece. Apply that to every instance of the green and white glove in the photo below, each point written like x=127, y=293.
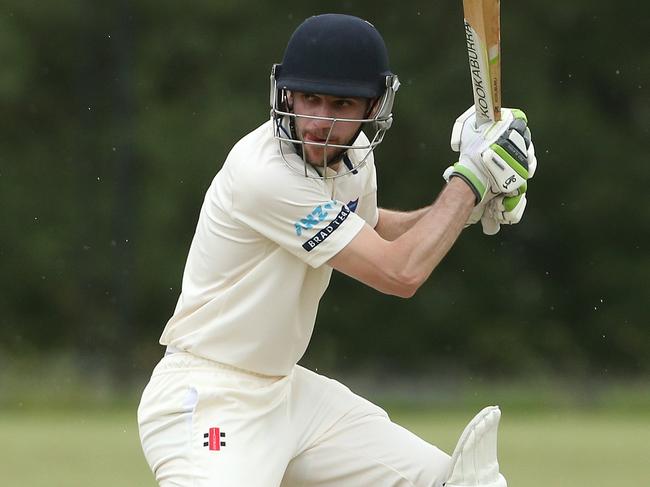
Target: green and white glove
x=496, y=157
x=496, y=206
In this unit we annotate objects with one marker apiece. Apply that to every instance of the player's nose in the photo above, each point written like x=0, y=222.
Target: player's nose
x=321, y=125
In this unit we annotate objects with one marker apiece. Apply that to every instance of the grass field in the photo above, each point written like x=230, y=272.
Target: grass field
x=565, y=448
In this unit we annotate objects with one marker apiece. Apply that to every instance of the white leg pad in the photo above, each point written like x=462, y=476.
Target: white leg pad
x=474, y=461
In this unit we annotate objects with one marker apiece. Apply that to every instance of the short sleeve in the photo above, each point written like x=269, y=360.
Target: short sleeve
x=295, y=212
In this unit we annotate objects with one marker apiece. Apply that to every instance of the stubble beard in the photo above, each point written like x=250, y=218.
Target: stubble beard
x=318, y=161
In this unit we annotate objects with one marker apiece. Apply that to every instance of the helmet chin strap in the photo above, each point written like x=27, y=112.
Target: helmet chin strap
x=294, y=134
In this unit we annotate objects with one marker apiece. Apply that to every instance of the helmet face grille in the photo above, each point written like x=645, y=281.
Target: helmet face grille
x=335, y=54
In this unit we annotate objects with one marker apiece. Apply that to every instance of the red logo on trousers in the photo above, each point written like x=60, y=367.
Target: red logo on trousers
x=214, y=437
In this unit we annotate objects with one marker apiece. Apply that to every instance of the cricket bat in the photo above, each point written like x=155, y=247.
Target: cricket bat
x=483, y=38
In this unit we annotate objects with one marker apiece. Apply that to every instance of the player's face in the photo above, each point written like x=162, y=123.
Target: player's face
x=319, y=131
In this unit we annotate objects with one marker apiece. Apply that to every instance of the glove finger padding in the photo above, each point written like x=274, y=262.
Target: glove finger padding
x=507, y=210
x=489, y=225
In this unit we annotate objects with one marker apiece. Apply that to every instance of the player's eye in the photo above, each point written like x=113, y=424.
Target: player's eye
x=343, y=103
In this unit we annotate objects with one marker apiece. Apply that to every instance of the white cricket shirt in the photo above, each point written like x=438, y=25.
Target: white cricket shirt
x=256, y=268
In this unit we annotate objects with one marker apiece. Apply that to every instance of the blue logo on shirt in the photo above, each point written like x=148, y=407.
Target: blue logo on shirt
x=316, y=216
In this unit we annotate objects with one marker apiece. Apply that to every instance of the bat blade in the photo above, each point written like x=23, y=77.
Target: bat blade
x=483, y=38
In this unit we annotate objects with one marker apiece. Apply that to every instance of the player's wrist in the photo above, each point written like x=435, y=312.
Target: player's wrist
x=471, y=180
x=464, y=190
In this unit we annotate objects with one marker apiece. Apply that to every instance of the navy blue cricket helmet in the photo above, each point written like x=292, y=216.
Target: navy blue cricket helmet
x=335, y=54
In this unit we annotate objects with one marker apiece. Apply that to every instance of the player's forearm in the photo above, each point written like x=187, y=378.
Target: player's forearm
x=393, y=224
x=426, y=243
x=399, y=267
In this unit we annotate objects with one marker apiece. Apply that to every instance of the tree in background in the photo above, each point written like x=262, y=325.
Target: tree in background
x=117, y=116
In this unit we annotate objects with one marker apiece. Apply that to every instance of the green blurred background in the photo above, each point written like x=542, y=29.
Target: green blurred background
x=116, y=116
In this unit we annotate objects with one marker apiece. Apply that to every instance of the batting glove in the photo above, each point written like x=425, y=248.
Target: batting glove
x=496, y=157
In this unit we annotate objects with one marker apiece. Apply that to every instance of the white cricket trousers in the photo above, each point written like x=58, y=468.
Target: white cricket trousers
x=204, y=424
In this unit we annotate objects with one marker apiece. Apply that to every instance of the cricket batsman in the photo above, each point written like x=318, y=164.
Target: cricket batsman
x=228, y=405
